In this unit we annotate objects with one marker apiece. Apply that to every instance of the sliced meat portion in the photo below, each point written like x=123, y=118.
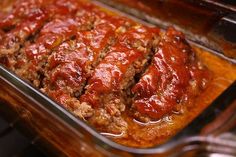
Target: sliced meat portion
x=71, y=64
x=106, y=88
x=32, y=20
x=167, y=80
x=13, y=40
x=65, y=71
x=102, y=37
x=51, y=35
x=33, y=57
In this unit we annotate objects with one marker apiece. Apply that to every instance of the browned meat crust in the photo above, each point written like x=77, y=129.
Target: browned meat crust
x=13, y=40
x=25, y=21
x=106, y=89
x=170, y=79
x=70, y=65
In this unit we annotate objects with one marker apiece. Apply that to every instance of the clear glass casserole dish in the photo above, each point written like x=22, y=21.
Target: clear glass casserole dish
x=70, y=136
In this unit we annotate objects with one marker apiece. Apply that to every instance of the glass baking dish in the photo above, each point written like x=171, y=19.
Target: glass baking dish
x=57, y=130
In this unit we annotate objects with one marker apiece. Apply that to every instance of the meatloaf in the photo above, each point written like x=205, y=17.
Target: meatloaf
x=98, y=65
x=173, y=76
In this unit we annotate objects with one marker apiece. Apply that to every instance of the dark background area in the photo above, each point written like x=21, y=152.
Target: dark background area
x=15, y=144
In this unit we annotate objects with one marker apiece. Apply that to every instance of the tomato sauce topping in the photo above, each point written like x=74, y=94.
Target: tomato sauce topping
x=166, y=80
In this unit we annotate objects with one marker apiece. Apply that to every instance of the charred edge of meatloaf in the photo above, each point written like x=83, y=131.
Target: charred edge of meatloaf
x=127, y=57
x=193, y=75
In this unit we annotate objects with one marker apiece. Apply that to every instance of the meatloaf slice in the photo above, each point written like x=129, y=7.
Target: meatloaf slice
x=65, y=74
x=169, y=80
x=106, y=89
x=33, y=57
x=71, y=64
x=13, y=40
x=33, y=15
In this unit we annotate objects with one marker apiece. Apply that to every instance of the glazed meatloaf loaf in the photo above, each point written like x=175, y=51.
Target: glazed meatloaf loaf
x=99, y=65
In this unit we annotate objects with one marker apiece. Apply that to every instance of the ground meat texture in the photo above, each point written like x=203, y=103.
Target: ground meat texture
x=102, y=37
x=70, y=66
x=13, y=40
x=66, y=67
x=30, y=24
x=34, y=56
x=166, y=81
x=106, y=88
x=65, y=75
